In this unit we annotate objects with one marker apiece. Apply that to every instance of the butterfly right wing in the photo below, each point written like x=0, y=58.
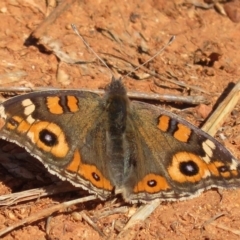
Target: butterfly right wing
x=170, y=159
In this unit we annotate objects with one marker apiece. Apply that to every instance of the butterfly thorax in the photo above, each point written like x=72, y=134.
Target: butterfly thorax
x=116, y=106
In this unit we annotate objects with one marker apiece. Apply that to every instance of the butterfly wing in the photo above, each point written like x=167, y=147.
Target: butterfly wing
x=66, y=131
x=171, y=158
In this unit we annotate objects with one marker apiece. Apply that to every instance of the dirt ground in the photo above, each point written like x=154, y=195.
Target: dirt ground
x=37, y=51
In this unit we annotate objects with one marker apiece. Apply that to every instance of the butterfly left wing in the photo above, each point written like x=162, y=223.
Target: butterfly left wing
x=66, y=131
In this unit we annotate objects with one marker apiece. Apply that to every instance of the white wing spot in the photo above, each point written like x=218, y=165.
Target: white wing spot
x=31, y=136
x=234, y=164
x=206, y=159
x=29, y=108
x=2, y=112
x=207, y=148
x=27, y=102
x=30, y=119
x=210, y=144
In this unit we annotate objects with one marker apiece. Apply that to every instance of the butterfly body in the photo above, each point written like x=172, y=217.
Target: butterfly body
x=106, y=144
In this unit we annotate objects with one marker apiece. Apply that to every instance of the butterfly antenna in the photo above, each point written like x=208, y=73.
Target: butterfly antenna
x=155, y=55
x=88, y=47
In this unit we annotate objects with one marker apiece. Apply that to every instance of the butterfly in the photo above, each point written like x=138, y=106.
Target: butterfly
x=111, y=145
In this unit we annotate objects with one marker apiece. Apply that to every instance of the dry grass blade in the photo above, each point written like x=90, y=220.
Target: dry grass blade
x=135, y=95
x=221, y=226
x=168, y=97
x=58, y=11
x=15, y=198
x=92, y=224
x=107, y=213
x=223, y=110
x=234, y=231
x=45, y=213
x=139, y=217
x=212, y=219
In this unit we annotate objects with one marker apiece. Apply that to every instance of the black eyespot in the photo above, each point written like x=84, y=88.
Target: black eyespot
x=152, y=183
x=189, y=168
x=223, y=169
x=48, y=138
x=95, y=176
